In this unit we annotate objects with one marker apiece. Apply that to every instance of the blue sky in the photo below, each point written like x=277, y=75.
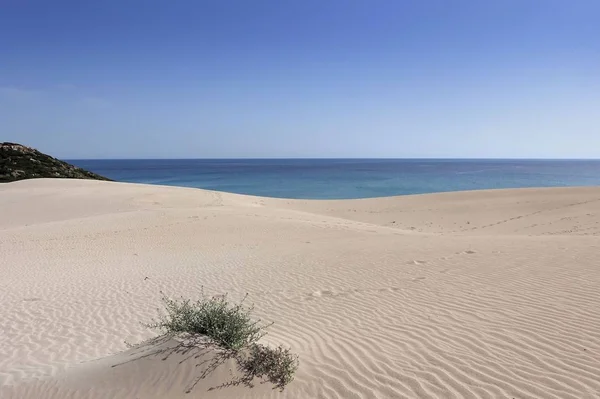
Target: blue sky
x=195, y=79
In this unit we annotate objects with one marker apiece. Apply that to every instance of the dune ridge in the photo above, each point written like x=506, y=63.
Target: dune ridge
x=484, y=294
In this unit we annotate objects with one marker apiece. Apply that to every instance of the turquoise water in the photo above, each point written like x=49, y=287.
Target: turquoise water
x=348, y=178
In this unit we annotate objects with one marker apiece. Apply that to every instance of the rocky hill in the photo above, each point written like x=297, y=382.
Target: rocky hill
x=18, y=162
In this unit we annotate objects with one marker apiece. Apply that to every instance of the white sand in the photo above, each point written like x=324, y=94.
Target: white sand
x=491, y=294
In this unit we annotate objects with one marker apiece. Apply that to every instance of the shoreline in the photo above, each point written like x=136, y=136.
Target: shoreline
x=435, y=193
x=349, y=179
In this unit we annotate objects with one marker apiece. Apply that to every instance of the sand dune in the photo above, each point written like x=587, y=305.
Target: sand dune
x=490, y=294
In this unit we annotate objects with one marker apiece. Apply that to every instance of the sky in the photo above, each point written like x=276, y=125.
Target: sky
x=301, y=79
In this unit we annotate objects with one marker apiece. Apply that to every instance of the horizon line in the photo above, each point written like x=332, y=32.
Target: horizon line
x=334, y=158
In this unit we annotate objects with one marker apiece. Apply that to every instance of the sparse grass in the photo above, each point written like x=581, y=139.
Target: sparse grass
x=231, y=327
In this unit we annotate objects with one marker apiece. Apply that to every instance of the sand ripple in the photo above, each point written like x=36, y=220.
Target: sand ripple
x=430, y=306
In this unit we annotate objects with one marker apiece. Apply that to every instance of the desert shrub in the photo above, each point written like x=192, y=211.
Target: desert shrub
x=228, y=325
x=231, y=327
x=277, y=366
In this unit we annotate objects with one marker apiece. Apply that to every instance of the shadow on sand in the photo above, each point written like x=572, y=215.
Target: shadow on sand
x=199, y=358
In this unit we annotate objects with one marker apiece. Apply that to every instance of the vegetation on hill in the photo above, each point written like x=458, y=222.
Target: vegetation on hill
x=18, y=162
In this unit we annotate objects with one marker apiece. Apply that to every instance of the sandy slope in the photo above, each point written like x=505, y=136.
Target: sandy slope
x=492, y=294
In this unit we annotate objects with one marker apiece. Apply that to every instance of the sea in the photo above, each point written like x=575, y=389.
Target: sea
x=347, y=178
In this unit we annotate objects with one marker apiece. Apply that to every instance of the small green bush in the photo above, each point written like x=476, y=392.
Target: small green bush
x=277, y=365
x=230, y=326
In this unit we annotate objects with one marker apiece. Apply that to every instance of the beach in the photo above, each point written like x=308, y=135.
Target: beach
x=474, y=294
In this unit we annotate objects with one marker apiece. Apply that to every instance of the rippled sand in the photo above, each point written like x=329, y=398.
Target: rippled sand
x=490, y=294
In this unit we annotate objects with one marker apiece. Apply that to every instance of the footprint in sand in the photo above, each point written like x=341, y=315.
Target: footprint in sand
x=388, y=289
x=320, y=294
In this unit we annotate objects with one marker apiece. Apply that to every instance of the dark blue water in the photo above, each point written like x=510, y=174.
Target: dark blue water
x=348, y=178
